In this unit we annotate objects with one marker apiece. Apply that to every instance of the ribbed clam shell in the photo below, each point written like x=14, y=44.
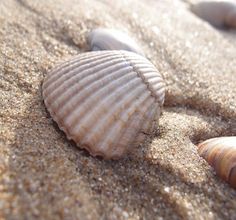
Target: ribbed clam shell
x=105, y=100
x=218, y=13
x=220, y=153
x=111, y=39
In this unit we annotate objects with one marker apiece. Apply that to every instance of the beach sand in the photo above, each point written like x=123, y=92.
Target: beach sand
x=45, y=176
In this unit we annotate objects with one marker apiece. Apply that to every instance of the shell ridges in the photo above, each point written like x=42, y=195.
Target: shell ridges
x=107, y=102
x=220, y=153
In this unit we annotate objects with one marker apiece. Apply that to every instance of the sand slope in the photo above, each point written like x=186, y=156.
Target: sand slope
x=44, y=176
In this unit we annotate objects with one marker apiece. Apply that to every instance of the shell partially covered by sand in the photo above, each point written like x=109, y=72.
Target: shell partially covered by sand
x=44, y=176
x=219, y=13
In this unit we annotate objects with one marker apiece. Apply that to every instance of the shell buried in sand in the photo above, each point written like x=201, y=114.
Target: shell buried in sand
x=111, y=39
x=220, y=153
x=106, y=101
x=221, y=13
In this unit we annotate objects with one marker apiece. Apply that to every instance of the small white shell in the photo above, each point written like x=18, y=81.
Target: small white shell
x=106, y=101
x=220, y=153
x=110, y=39
x=218, y=13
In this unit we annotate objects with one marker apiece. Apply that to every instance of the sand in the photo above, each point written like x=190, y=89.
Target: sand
x=45, y=176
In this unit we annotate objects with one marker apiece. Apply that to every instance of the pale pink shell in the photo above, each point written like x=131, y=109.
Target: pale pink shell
x=106, y=101
x=220, y=153
x=111, y=39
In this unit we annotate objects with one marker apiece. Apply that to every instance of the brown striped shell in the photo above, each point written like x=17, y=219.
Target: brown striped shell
x=111, y=39
x=106, y=101
x=219, y=13
x=220, y=153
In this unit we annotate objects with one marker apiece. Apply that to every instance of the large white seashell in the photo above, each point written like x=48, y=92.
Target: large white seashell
x=218, y=13
x=111, y=39
x=220, y=153
x=106, y=101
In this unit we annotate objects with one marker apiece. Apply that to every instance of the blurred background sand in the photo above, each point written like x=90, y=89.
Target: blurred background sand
x=45, y=176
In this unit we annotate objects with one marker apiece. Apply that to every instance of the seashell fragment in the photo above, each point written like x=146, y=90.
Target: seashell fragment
x=106, y=101
x=111, y=39
x=220, y=153
x=221, y=13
